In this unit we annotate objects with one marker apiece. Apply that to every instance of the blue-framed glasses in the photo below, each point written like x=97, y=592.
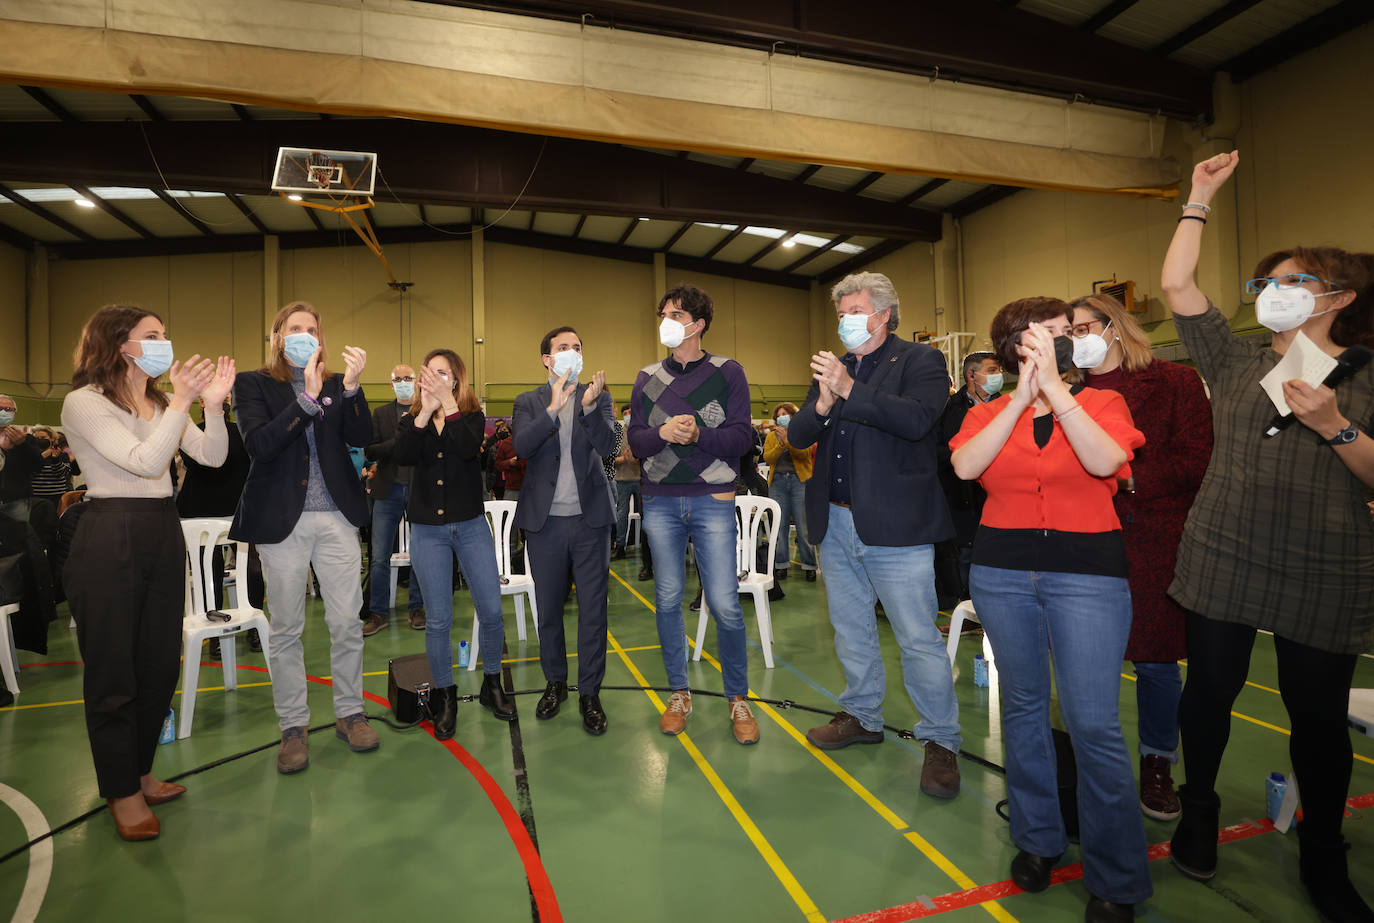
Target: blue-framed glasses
x=1292, y=280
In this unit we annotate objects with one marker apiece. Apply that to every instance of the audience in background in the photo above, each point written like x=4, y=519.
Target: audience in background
x=982, y=372
x=789, y=468
x=22, y=454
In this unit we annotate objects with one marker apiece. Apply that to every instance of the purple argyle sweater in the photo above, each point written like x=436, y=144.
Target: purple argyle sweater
x=714, y=390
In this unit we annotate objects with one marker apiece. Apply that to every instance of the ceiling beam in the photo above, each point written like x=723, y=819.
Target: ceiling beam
x=1107, y=14
x=724, y=241
x=985, y=42
x=981, y=199
x=677, y=235
x=147, y=106
x=577, y=231
x=808, y=257
x=47, y=102
x=806, y=174
x=40, y=211
x=860, y=260
x=449, y=165
x=1311, y=32
x=864, y=183
x=769, y=247
x=184, y=212
x=1208, y=23
x=629, y=229
x=920, y=192
x=114, y=213
x=242, y=112
x=16, y=238
x=247, y=213
x=314, y=216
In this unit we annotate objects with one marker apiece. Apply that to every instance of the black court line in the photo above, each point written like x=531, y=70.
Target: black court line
x=524, y=805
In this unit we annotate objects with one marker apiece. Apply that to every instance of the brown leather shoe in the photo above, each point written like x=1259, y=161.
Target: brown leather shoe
x=417, y=619
x=354, y=729
x=844, y=729
x=940, y=774
x=374, y=623
x=742, y=719
x=1157, y=796
x=143, y=830
x=166, y=792
x=674, y=718
x=294, y=754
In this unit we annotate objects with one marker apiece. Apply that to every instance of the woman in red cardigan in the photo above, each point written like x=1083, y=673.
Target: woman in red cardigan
x=1168, y=404
x=1049, y=571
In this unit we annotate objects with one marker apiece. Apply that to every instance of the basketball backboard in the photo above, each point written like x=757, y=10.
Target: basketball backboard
x=311, y=172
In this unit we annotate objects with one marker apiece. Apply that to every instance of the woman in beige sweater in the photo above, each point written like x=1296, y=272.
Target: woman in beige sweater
x=126, y=573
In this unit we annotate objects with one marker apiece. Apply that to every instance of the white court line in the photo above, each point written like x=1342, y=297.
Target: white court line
x=40, y=856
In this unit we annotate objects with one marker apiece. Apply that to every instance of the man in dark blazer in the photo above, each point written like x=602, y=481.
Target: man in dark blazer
x=875, y=510
x=390, y=488
x=563, y=430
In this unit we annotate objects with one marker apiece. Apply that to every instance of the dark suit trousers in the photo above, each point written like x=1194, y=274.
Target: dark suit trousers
x=126, y=582
x=568, y=542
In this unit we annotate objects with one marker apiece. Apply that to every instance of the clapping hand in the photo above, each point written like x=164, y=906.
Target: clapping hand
x=220, y=385
x=314, y=373
x=594, y=389
x=1041, y=345
x=561, y=392
x=434, y=388
x=189, y=379
x=1211, y=175
x=355, y=359
x=831, y=373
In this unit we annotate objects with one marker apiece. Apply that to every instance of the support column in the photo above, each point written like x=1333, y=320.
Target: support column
x=479, y=316
x=38, y=371
x=271, y=290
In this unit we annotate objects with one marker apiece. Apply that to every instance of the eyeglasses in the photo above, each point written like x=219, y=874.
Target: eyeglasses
x=395, y=380
x=1290, y=281
x=1081, y=330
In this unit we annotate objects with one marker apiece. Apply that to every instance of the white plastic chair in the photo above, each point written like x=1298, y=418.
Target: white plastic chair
x=750, y=512
x=633, y=522
x=401, y=556
x=9, y=657
x=202, y=537
x=501, y=519
x=964, y=612
x=1361, y=714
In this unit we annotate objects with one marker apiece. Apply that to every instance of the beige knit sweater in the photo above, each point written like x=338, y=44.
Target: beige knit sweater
x=123, y=455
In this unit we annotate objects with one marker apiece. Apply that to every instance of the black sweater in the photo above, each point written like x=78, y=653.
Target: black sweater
x=446, y=485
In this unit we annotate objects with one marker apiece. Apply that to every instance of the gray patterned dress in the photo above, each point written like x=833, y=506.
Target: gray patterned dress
x=1280, y=536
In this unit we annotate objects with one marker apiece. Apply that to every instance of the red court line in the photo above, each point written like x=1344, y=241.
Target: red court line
x=1003, y=889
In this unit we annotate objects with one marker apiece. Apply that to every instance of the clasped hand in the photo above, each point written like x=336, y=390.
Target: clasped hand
x=680, y=430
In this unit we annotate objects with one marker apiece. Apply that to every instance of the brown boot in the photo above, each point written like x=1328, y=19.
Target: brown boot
x=844, y=729
x=294, y=754
x=940, y=774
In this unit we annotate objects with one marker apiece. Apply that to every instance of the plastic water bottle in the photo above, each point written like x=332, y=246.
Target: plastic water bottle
x=1274, y=789
x=980, y=670
x=463, y=654
x=169, y=728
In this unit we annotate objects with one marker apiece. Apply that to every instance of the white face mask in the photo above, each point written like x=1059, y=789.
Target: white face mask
x=993, y=384
x=1090, y=349
x=570, y=361
x=405, y=390
x=1282, y=309
x=6, y=417
x=671, y=333
x=854, y=330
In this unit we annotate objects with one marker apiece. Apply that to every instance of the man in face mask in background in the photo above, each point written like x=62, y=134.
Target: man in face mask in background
x=22, y=455
x=875, y=509
x=390, y=487
x=982, y=383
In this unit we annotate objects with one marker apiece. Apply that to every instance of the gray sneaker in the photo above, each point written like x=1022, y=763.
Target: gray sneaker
x=355, y=730
x=294, y=754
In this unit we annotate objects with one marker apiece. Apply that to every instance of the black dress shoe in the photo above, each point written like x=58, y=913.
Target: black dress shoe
x=646, y=573
x=1100, y=911
x=617, y=553
x=781, y=573
x=810, y=576
x=593, y=718
x=494, y=697
x=554, y=695
x=444, y=707
x=1031, y=872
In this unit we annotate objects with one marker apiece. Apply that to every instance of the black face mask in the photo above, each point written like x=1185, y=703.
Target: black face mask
x=1063, y=353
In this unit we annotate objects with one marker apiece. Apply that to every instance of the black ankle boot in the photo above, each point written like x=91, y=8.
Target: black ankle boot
x=1325, y=874
x=443, y=706
x=494, y=697
x=1193, y=850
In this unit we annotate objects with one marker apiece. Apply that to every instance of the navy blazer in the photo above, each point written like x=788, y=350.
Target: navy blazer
x=386, y=421
x=535, y=439
x=273, y=424
x=895, y=493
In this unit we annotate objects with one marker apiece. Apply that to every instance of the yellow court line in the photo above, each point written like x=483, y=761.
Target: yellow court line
x=927, y=849
x=770, y=855
x=199, y=689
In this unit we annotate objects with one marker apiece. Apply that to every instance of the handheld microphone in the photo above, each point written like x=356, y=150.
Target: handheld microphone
x=1348, y=363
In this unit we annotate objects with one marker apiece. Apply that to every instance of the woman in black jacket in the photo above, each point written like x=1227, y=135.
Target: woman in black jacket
x=441, y=437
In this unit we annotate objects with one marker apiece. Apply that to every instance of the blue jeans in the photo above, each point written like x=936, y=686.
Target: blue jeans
x=903, y=577
x=790, y=492
x=1158, y=687
x=624, y=490
x=1085, y=620
x=432, y=549
x=710, y=524
x=386, y=518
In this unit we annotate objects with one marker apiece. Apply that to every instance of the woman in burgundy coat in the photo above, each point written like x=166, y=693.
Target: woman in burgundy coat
x=1170, y=407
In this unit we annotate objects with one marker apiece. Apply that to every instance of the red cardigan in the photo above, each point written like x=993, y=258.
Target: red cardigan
x=1033, y=488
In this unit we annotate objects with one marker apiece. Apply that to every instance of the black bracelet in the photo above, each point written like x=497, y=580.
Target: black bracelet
x=1184, y=218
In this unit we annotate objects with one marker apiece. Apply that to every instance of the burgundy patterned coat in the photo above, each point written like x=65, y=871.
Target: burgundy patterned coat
x=1170, y=407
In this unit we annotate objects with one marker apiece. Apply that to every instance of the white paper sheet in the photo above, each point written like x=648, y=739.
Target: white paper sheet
x=1304, y=361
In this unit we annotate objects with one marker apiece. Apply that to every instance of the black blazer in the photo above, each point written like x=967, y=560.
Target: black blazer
x=535, y=439
x=446, y=485
x=207, y=491
x=273, y=424
x=385, y=423
x=895, y=491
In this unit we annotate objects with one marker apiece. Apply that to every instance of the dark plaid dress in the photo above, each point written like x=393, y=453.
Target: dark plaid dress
x=1280, y=537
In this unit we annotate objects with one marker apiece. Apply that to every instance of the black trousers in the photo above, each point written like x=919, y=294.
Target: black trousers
x=126, y=583
x=1315, y=686
x=566, y=542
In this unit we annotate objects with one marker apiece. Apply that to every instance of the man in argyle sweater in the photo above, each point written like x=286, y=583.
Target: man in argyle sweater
x=689, y=423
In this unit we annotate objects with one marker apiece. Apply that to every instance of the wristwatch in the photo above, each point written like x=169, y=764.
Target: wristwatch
x=1345, y=436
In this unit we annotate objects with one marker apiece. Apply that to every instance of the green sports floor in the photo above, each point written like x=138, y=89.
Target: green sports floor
x=538, y=821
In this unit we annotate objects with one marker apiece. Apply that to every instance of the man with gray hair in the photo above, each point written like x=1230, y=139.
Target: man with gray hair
x=875, y=510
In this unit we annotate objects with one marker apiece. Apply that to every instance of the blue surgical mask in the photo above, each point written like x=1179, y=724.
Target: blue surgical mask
x=405, y=390
x=993, y=385
x=156, y=358
x=6, y=417
x=854, y=330
x=784, y=419
x=570, y=361
x=299, y=347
